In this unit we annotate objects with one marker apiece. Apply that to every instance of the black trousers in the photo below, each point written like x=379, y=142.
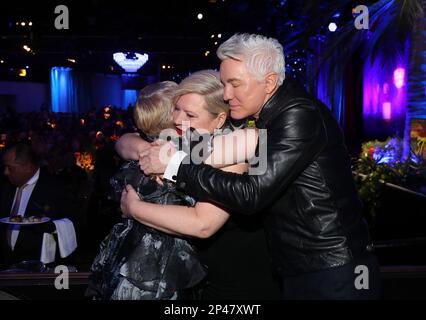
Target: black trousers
x=357, y=280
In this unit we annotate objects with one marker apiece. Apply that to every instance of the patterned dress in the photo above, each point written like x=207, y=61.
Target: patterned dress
x=137, y=262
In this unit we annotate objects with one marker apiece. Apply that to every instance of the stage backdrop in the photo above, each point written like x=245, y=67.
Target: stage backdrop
x=73, y=91
x=24, y=96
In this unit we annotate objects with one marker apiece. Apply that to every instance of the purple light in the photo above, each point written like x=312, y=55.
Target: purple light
x=387, y=110
x=386, y=88
x=130, y=62
x=399, y=77
x=385, y=94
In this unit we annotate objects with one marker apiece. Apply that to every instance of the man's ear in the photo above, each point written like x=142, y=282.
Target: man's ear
x=271, y=81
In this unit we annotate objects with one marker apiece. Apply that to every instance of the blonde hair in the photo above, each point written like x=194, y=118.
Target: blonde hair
x=154, y=107
x=207, y=84
x=262, y=55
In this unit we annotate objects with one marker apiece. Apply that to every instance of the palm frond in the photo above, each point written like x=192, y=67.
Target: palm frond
x=410, y=12
x=387, y=18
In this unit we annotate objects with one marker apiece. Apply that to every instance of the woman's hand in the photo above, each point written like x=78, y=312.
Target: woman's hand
x=128, y=197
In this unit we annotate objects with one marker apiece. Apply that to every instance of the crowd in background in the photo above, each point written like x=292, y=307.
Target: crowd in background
x=79, y=150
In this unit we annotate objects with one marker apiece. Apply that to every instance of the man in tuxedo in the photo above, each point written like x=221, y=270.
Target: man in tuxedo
x=29, y=191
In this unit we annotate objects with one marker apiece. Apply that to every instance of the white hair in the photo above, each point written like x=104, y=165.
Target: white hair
x=261, y=54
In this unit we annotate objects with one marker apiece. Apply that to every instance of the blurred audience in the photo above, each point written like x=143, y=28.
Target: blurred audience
x=75, y=153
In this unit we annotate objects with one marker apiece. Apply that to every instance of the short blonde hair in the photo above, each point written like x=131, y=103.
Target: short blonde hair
x=154, y=107
x=207, y=84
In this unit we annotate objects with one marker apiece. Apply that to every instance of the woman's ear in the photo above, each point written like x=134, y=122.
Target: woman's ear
x=271, y=81
x=221, y=118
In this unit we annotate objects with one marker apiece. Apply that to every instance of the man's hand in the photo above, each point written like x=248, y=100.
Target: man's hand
x=128, y=197
x=154, y=160
x=129, y=145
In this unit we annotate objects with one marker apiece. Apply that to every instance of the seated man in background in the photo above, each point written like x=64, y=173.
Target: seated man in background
x=30, y=192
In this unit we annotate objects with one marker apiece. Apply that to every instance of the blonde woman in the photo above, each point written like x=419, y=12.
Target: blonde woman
x=136, y=262
x=199, y=104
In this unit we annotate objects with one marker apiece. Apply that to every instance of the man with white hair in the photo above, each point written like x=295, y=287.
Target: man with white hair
x=318, y=239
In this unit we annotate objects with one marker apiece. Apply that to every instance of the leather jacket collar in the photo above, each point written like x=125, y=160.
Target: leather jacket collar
x=269, y=109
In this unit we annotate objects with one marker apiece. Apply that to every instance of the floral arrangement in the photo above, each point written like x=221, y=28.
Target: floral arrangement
x=383, y=163
x=421, y=146
x=85, y=160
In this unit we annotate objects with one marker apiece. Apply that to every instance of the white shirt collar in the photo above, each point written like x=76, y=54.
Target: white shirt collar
x=34, y=178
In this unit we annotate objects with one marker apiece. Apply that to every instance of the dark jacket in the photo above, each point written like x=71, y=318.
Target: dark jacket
x=313, y=216
x=48, y=198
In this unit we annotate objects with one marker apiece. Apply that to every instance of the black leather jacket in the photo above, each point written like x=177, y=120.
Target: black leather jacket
x=312, y=212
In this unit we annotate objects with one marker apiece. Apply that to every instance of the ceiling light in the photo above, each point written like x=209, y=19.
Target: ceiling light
x=130, y=62
x=199, y=16
x=332, y=27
